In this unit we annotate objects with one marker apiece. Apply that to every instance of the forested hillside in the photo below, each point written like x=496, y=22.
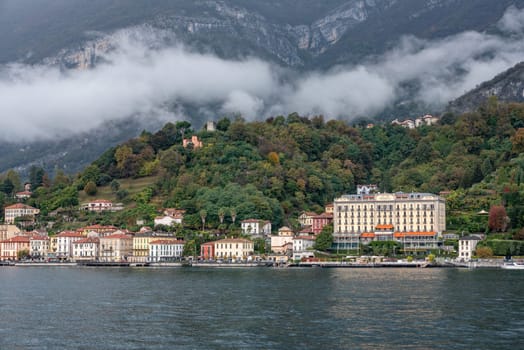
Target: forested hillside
x=276, y=168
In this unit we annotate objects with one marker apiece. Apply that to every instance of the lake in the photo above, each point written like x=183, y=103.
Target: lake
x=260, y=308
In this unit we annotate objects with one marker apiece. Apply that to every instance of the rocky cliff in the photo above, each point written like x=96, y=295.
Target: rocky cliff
x=507, y=86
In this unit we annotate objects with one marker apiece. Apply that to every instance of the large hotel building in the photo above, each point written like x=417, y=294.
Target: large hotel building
x=405, y=217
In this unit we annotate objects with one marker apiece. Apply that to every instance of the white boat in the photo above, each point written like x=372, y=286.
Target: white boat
x=513, y=266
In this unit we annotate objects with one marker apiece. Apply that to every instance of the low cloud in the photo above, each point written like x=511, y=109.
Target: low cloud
x=512, y=21
x=142, y=79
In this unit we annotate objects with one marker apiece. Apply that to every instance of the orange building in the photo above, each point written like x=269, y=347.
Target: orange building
x=9, y=248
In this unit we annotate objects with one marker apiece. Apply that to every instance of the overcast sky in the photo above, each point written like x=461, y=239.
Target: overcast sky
x=39, y=102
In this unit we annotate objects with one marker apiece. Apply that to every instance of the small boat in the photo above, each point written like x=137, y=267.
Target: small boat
x=513, y=266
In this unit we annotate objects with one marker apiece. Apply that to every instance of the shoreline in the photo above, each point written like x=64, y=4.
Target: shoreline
x=325, y=264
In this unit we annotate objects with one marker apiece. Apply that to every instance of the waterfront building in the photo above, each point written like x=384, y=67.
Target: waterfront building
x=255, y=227
x=207, y=250
x=282, y=243
x=9, y=248
x=234, y=248
x=86, y=249
x=64, y=243
x=19, y=210
x=116, y=247
x=165, y=250
x=39, y=246
x=384, y=214
x=303, y=247
x=142, y=240
x=9, y=231
x=417, y=241
x=467, y=246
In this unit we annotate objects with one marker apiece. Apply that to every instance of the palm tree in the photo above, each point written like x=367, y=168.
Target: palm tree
x=233, y=212
x=221, y=214
x=203, y=214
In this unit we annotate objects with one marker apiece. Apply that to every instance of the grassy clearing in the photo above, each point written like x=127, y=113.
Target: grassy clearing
x=133, y=186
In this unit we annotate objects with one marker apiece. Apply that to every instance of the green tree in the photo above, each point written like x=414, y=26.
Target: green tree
x=90, y=188
x=324, y=240
x=115, y=186
x=22, y=254
x=36, y=176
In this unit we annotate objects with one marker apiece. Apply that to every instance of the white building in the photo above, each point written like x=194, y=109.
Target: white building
x=98, y=205
x=254, y=227
x=86, y=249
x=386, y=214
x=303, y=247
x=165, y=250
x=167, y=220
x=467, y=246
x=366, y=189
x=39, y=246
x=283, y=242
x=116, y=247
x=64, y=243
x=19, y=210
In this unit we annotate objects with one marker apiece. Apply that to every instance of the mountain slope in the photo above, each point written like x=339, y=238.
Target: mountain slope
x=507, y=87
x=313, y=34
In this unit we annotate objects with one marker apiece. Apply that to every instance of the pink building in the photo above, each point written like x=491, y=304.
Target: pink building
x=319, y=221
x=193, y=141
x=207, y=250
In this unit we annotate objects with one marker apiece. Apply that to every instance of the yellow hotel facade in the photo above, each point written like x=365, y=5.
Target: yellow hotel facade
x=397, y=212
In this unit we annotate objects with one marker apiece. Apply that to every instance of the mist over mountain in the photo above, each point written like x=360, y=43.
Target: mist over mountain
x=70, y=67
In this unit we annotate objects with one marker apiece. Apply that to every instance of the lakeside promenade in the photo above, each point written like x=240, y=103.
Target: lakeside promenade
x=480, y=263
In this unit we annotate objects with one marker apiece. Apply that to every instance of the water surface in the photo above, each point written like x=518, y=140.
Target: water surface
x=259, y=308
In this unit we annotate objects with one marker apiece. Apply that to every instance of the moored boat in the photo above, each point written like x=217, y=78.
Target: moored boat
x=513, y=266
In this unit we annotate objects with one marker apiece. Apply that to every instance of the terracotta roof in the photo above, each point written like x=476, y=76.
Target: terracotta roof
x=306, y=229
x=384, y=227
x=168, y=241
x=19, y=206
x=69, y=234
x=307, y=238
x=251, y=221
x=233, y=240
x=367, y=235
x=17, y=239
x=118, y=236
x=87, y=240
x=412, y=234
x=208, y=243
x=323, y=215
x=39, y=238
